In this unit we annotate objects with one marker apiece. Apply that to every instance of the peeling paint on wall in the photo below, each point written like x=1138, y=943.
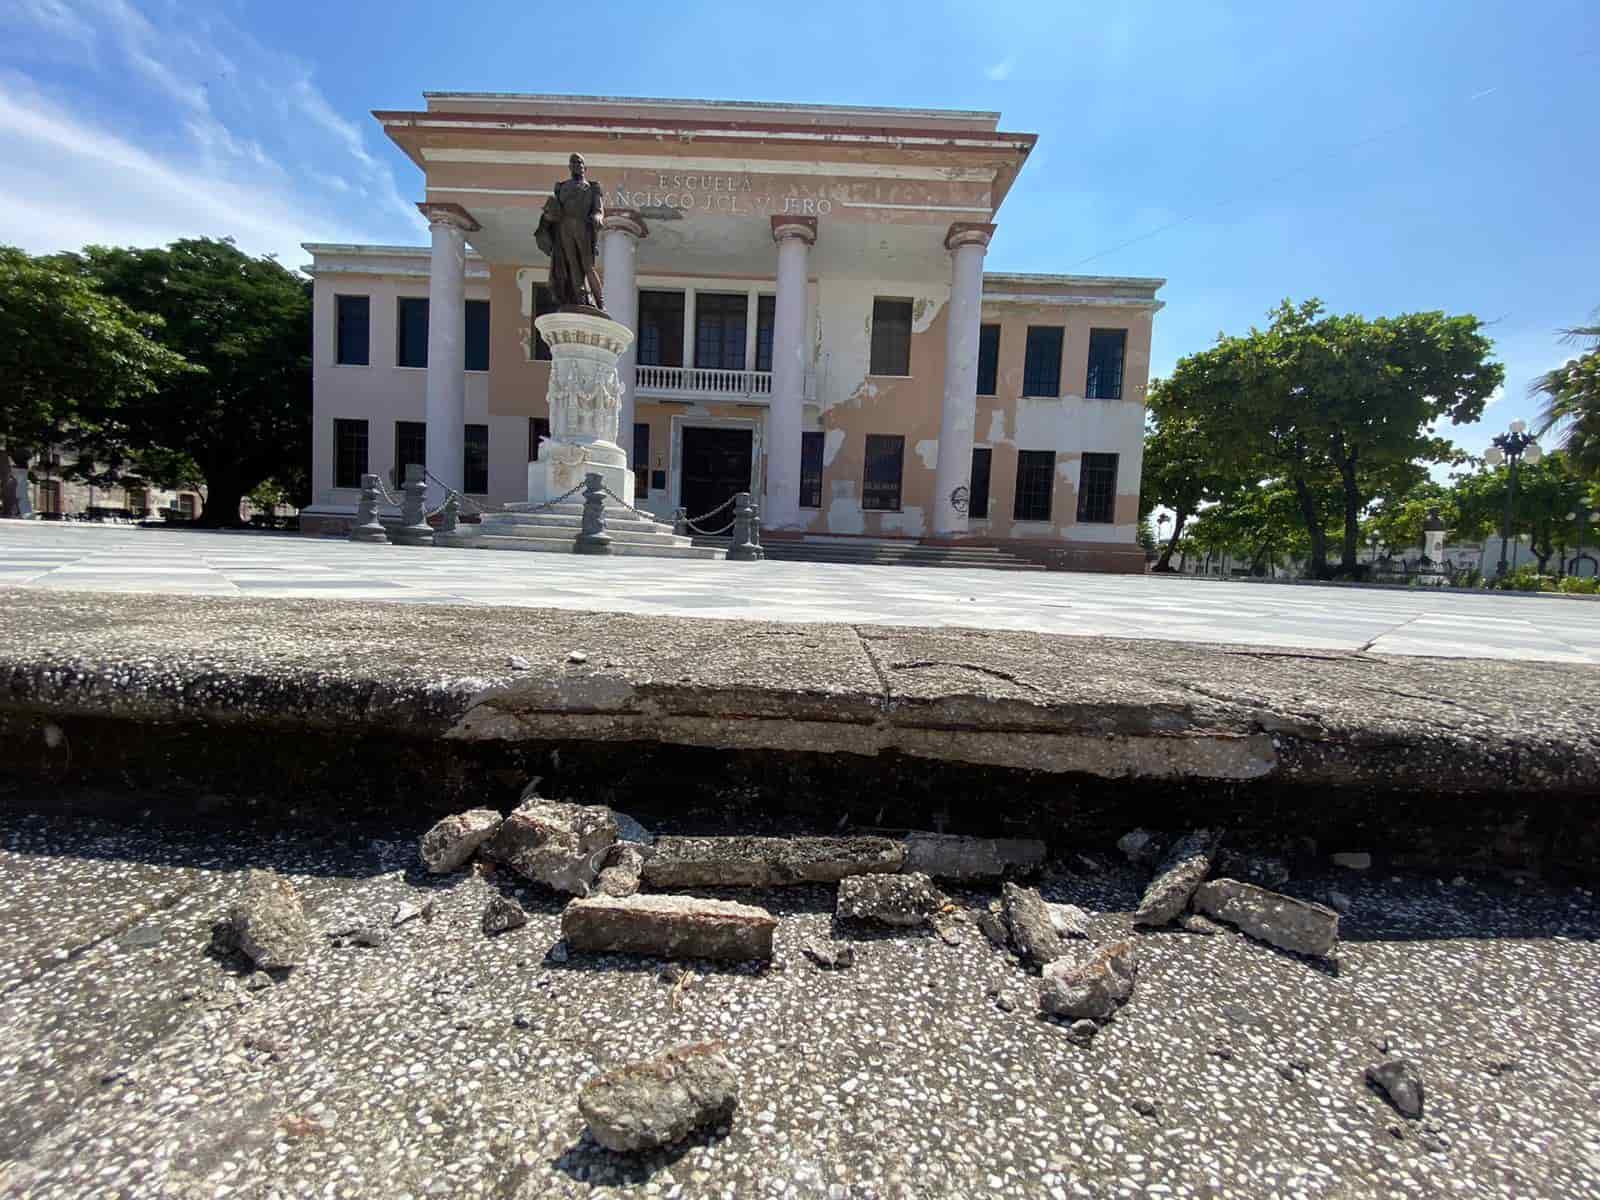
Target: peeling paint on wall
x=997, y=428
x=925, y=311
x=928, y=451
x=832, y=443
x=844, y=508
x=908, y=521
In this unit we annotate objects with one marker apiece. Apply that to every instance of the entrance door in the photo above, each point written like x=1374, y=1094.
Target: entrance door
x=716, y=465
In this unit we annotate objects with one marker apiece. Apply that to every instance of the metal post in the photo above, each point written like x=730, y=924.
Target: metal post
x=414, y=528
x=367, y=527
x=1511, y=497
x=592, y=537
x=742, y=548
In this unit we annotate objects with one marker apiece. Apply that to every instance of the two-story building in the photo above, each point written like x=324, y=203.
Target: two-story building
x=813, y=324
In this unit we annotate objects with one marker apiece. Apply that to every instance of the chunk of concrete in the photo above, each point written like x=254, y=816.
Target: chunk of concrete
x=501, y=915
x=1092, y=990
x=668, y=927
x=1028, y=917
x=950, y=856
x=268, y=922
x=1184, y=870
x=656, y=1103
x=901, y=900
x=1282, y=921
x=447, y=846
x=562, y=846
x=681, y=862
x=1264, y=870
x=1142, y=848
x=620, y=876
x=1400, y=1084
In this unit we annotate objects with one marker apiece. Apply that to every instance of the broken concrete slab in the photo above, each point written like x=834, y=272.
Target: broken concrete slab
x=652, y=1104
x=559, y=845
x=620, y=876
x=687, y=862
x=962, y=859
x=1400, y=1085
x=668, y=927
x=1033, y=931
x=1185, y=868
x=1282, y=921
x=449, y=844
x=268, y=922
x=901, y=900
x=1093, y=989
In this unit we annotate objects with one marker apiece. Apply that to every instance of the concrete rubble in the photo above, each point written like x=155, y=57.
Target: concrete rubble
x=620, y=876
x=1185, y=868
x=1093, y=989
x=656, y=1103
x=1400, y=1084
x=964, y=859
x=559, y=845
x=668, y=927
x=503, y=914
x=1069, y=920
x=449, y=844
x=267, y=922
x=830, y=955
x=685, y=862
x=905, y=901
x=1031, y=925
x=1279, y=920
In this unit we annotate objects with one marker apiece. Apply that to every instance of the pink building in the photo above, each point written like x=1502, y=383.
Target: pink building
x=813, y=324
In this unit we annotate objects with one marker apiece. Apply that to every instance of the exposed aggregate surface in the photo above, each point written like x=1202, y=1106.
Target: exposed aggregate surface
x=445, y=1063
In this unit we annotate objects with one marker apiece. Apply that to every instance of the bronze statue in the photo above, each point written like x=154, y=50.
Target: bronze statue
x=569, y=232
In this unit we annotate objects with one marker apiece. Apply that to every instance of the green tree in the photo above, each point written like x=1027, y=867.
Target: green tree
x=1547, y=491
x=1182, y=469
x=71, y=359
x=1572, y=401
x=247, y=322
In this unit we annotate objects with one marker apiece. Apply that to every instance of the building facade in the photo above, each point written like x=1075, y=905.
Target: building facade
x=813, y=324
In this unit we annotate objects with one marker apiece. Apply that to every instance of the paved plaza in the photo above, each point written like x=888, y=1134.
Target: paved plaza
x=183, y=562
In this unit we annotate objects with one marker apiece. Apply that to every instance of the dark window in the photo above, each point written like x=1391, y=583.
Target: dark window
x=811, y=470
x=538, y=427
x=719, y=325
x=354, y=319
x=411, y=334
x=349, y=453
x=891, y=338
x=410, y=446
x=477, y=335
x=1036, y=481
x=1041, y=364
x=880, y=484
x=978, y=509
x=544, y=301
x=1097, y=489
x=475, y=460
x=660, y=329
x=988, y=359
x=766, y=321
x=641, y=458
x=1105, y=363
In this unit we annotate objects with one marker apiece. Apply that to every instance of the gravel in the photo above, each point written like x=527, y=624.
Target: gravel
x=446, y=1063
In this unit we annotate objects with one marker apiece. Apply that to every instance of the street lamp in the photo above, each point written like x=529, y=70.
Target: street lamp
x=1583, y=514
x=1511, y=448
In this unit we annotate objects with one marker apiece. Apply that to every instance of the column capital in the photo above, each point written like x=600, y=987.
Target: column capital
x=785, y=226
x=452, y=215
x=626, y=220
x=968, y=233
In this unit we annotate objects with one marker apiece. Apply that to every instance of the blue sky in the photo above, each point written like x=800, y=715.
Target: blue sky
x=1383, y=156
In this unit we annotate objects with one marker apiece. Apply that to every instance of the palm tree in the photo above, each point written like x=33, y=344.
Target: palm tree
x=1572, y=401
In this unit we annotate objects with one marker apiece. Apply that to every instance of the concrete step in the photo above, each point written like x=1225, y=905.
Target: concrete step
x=991, y=558
x=616, y=519
x=637, y=532
x=626, y=546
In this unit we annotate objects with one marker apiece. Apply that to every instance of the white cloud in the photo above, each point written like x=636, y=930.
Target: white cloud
x=1495, y=397
x=1001, y=70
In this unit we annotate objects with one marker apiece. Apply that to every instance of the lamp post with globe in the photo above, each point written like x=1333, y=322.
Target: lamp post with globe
x=1511, y=448
x=1583, y=514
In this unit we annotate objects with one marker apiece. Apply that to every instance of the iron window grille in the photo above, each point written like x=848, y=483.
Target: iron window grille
x=766, y=322
x=349, y=452
x=411, y=336
x=1036, y=477
x=1041, y=367
x=1097, y=489
x=660, y=329
x=353, y=318
x=978, y=505
x=891, y=337
x=988, y=359
x=410, y=446
x=880, y=483
x=720, y=320
x=811, y=470
x=1106, y=349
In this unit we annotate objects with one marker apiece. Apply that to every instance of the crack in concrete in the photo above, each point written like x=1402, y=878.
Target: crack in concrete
x=1008, y=676
x=877, y=667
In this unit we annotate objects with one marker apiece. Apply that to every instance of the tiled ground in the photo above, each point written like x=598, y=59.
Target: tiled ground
x=111, y=558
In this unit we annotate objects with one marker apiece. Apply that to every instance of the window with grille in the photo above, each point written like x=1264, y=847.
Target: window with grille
x=349, y=452
x=1036, y=479
x=477, y=335
x=978, y=506
x=1106, y=348
x=410, y=446
x=988, y=359
x=641, y=458
x=660, y=329
x=538, y=427
x=720, y=319
x=475, y=460
x=811, y=470
x=766, y=322
x=891, y=337
x=1041, y=364
x=544, y=301
x=411, y=333
x=880, y=483
x=1097, y=489
x=353, y=317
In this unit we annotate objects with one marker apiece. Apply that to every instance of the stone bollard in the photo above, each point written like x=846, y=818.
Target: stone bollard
x=367, y=527
x=593, y=538
x=414, y=529
x=742, y=549
x=680, y=522
x=755, y=531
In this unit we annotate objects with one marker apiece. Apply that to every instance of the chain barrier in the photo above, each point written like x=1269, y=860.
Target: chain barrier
x=648, y=516
x=464, y=501
x=692, y=523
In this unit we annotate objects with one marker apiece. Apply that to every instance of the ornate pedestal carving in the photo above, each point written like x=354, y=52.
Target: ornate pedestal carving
x=585, y=401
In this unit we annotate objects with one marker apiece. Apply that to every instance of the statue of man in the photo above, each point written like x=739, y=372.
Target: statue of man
x=569, y=232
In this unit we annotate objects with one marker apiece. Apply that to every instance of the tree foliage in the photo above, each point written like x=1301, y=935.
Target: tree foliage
x=1571, y=406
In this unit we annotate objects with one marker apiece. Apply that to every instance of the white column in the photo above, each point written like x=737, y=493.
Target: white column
x=447, y=344
x=794, y=236
x=619, y=246
x=952, y=476
x=752, y=312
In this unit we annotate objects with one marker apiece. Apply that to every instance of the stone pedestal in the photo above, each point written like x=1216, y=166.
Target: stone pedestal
x=24, y=500
x=585, y=404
